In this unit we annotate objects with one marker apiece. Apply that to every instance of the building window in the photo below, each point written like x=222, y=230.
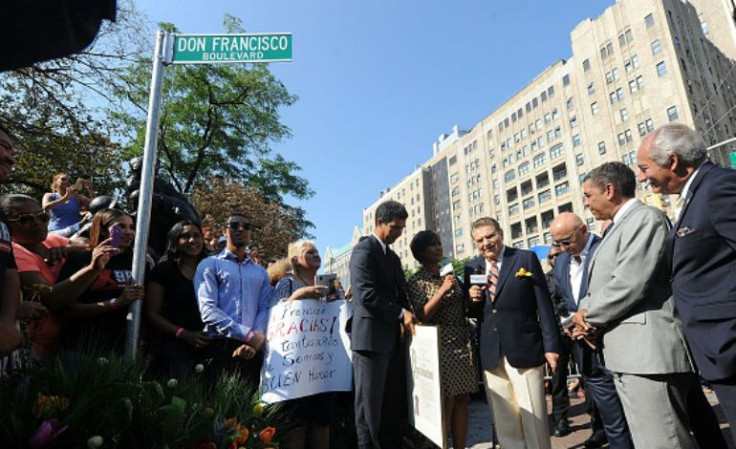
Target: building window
x=662, y=69
x=556, y=151
x=570, y=103
x=656, y=47
x=594, y=108
x=509, y=176
x=455, y=191
x=539, y=160
x=586, y=65
x=635, y=61
x=601, y=147
x=576, y=140
x=642, y=129
x=624, y=114
x=514, y=209
x=632, y=86
x=528, y=203
x=561, y=189
x=650, y=124
x=629, y=36
x=620, y=94
x=544, y=196
x=453, y=160
x=640, y=82
x=524, y=168
x=649, y=20
x=566, y=80
x=591, y=89
x=579, y=159
x=672, y=113
x=573, y=122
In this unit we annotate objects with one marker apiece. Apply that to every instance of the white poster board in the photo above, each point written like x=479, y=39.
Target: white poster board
x=426, y=406
x=307, y=350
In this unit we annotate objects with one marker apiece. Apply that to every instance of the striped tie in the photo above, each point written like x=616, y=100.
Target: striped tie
x=492, y=281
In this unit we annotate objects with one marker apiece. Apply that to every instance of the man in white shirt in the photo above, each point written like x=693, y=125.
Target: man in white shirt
x=570, y=234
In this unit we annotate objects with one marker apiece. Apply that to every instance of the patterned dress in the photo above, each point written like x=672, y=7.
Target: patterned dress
x=459, y=375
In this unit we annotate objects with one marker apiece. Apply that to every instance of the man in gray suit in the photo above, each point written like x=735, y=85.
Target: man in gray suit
x=629, y=304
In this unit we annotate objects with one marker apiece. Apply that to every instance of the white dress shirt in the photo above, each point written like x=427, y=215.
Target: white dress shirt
x=577, y=269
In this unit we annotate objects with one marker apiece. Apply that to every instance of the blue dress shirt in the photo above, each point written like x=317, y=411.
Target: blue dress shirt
x=233, y=296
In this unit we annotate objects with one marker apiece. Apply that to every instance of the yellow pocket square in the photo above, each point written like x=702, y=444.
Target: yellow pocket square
x=523, y=273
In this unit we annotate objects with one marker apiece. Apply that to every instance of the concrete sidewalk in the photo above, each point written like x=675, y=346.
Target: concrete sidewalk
x=479, y=428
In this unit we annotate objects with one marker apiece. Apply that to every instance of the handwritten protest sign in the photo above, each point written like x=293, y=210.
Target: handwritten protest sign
x=307, y=350
x=425, y=386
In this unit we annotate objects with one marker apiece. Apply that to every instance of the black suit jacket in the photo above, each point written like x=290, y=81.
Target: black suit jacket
x=520, y=323
x=703, y=258
x=379, y=290
x=586, y=357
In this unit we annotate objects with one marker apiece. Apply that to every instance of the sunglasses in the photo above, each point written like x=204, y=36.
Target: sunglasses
x=561, y=243
x=27, y=219
x=551, y=257
x=235, y=225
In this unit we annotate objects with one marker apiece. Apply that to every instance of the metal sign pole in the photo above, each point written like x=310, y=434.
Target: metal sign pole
x=162, y=54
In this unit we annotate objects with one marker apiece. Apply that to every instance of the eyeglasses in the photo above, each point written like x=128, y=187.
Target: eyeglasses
x=235, y=225
x=561, y=243
x=27, y=219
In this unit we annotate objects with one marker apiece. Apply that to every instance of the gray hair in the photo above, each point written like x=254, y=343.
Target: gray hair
x=11, y=202
x=679, y=139
x=618, y=174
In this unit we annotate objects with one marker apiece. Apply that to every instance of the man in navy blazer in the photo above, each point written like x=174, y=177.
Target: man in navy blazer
x=380, y=318
x=518, y=333
x=571, y=276
x=701, y=249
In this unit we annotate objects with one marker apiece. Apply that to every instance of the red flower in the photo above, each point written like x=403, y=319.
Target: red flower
x=267, y=434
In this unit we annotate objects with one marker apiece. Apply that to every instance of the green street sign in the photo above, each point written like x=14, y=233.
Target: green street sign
x=231, y=48
x=732, y=159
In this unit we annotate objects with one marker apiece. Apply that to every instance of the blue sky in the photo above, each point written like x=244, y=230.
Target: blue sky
x=378, y=81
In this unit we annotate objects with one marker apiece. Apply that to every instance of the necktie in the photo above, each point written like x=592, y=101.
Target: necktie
x=492, y=281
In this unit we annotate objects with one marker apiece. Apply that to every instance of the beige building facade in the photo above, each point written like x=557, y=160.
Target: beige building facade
x=639, y=65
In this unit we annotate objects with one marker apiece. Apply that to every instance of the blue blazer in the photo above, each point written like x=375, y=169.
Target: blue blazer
x=520, y=323
x=379, y=291
x=562, y=276
x=702, y=249
x=586, y=357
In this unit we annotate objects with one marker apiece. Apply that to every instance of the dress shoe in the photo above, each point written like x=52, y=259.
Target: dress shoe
x=598, y=439
x=562, y=429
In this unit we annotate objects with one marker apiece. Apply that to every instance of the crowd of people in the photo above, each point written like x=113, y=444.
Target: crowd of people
x=646, y=309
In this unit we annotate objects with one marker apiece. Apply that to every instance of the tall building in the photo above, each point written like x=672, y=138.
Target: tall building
x=337, y=260
x=641, y=64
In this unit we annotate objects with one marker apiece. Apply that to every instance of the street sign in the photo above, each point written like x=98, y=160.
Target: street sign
x=231, y=48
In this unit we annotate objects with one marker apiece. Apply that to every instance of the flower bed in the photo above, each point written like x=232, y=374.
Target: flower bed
x=111, y=402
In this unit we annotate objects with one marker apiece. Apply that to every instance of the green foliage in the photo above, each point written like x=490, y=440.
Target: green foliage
x=119, y=401
x=216, y=120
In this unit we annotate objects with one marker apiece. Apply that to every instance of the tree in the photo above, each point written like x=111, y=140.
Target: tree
x=216, y=120
x=55, y=110
x=276, y=225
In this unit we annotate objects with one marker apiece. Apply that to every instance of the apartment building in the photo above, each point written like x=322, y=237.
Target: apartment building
x=414, y=192
x=337, y=260
x=639, y=65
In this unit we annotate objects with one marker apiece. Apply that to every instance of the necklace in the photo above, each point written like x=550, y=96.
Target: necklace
x=301, y=279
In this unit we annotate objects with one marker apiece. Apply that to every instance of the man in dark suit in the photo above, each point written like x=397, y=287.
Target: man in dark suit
x=518, y=333
x=570, y=234
x=380, y=319
x=701, y=250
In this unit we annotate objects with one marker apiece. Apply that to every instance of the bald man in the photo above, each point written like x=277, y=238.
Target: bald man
x=571, y=235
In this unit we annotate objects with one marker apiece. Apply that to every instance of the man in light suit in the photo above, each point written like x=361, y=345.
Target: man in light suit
x=518, y=333
x=702, y=250
x=380, y=318
x=629, y=302
x=571, y=274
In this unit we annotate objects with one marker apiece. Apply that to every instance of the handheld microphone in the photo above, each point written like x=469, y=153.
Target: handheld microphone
x=478, y=277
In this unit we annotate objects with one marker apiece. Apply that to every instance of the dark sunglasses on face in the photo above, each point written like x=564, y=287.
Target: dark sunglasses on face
x=27, y=219
x=234, y=225
x=561, y=243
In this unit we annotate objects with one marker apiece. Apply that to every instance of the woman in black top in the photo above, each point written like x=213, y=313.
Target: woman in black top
x=171, y=304
x=97, y=319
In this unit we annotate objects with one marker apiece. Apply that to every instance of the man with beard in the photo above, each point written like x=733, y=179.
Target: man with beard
x=233, y=294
